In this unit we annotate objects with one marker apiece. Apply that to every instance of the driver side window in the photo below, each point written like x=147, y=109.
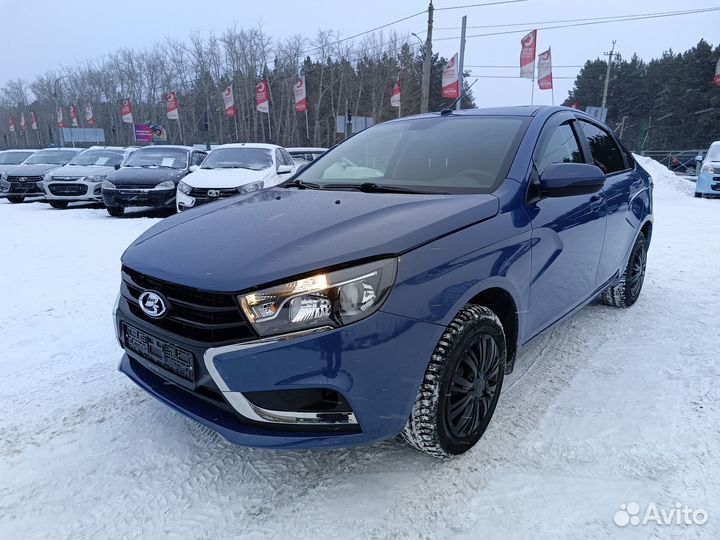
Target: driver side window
x=560, y=145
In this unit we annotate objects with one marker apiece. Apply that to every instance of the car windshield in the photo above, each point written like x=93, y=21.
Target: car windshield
x=51, y=157
x=13, y=158
x=714, y=153
x=166, y=158
x=255, y=159
x=306, y=156
x=107, y=158
x=446, y=154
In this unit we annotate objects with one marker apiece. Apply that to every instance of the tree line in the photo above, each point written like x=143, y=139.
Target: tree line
x=340, y=75
x=667, y=103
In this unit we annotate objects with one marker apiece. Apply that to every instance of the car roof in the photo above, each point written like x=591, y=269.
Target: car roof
x=171, y=146
x=308, y=149
x=11, y=150
x=63, y=148
x=267, y=146
x=98, y=147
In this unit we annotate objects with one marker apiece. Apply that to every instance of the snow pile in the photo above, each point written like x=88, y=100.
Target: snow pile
x=667, y=183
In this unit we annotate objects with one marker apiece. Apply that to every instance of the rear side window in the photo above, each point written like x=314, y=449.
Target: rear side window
x=558, y=146
x=604, y=150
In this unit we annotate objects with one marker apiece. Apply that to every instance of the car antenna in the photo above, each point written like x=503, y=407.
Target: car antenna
x=449, y=109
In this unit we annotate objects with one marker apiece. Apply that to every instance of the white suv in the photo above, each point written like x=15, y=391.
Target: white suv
x=231, y=169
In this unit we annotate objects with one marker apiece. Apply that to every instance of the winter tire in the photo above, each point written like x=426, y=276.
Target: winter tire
x=59, y=204
x=627, y=290
x=698, y=195
x=16, y=199
x=461, y=387
x=116, y=211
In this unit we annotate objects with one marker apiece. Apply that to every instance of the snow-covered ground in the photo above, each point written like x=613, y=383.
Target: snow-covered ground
x=612, y=407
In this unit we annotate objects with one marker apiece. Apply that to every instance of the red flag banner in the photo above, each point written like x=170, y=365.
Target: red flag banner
x=545, y=81
x=450, y=85
x=33, y=120
x=300, y=94
x=229, y=102
x=716, y=80
x=527, y=55
x=11, y=123
x=171, y=106
x=262, y=96
x=126, y=111
x=23, y=126
x=396, y=92
x=73, y=116
x=89, y=115
x=60, y=118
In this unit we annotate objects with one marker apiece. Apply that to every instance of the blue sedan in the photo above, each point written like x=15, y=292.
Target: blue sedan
x=389, y=286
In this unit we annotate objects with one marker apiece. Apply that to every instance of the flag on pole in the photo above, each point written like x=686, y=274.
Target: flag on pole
x=171, y=106
x=229, y=102
x=300, y=94
x=60, y=118
x=545, y=81
x=262, y=96
x=527, y=55
x=716, y=80
x=23, y=126
x=73, y=116
x=450, y=85
x=126, y=111
x=89, y=115
x=575, y=105
x=33, y=120
x=396, y=91
x=11, y=123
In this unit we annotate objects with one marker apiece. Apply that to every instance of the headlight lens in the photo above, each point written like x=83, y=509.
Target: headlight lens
x=707, y=168
x=3, y=176
x=184, y=188
x=168, y=184
x=249, y=188
x=107, y=185
x=332, y=299
x=99, y=178
x=47, y=177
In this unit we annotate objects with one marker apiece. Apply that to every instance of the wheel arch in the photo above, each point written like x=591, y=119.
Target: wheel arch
x=501, y=302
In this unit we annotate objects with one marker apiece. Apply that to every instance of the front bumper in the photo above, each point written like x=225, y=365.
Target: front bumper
x=708, y=184
x=376, y=364
x=157, y=198
x=28, y=189
x=76, y=190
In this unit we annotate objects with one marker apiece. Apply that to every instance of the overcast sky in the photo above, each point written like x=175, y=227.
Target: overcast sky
x=38, y=36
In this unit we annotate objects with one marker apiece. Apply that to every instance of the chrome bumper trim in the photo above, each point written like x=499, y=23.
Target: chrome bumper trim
x=251, y=411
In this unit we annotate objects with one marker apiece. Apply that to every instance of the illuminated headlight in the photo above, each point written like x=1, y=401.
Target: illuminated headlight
x=168, y=184
x=184, y=188
x=107, y=185
x=99, y=178
x=249, y=188
x=332, y=299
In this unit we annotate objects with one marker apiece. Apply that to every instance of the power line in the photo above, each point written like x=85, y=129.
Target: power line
x=479, y=5
x=635, y=18
x=516, y=66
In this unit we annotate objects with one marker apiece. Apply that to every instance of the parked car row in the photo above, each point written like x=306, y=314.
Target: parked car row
x=165, y=177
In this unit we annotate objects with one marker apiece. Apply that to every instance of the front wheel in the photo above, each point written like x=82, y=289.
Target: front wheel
x=698, y=195
x=59, y=204
x=16, y=199
x=626, y=291
x=116, y=211
x=462, y=384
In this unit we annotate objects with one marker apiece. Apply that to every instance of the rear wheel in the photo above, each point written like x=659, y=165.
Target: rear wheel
x=626, y=291
x=59, y=204
x=15, y=199
x=116, y=211
x=698, y=195
x=462, y=384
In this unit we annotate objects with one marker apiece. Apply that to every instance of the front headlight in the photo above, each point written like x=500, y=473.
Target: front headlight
x=107, y=185
x=98, y=178
x=168, y=184
x=707, y=168
x=47, y=177
x=3, y=175
x=332, y=299
x=249, y=188
x=184, y=188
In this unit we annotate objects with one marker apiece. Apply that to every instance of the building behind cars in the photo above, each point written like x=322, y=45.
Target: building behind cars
x=24, y=181
x=81, y=179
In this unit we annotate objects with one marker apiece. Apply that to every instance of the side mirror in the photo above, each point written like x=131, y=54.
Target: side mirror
x=568, y=179
x=193, y=168
x=117, y=166
x=284, y=169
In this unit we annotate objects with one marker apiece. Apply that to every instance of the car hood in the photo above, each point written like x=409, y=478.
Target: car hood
x=277, y=233
x=32, y=170
x=225, y=178
x=137, y=176
x=85, y=170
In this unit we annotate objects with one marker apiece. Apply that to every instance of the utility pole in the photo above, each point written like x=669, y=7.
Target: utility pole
x=458, y=106
x=607, y=74
x=427, y=63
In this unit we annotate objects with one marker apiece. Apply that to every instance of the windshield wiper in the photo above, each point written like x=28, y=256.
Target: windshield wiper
x=301, y=185
x=372, y=187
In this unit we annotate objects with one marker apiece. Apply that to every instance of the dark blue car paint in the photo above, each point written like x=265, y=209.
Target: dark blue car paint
x=551, y=256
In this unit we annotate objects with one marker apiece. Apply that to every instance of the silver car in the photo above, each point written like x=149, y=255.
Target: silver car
x=80, y=180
